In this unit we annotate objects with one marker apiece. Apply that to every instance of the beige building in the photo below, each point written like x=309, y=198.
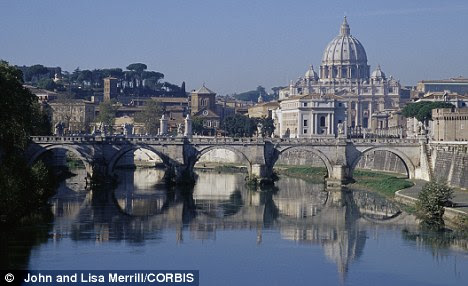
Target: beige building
x=43, y=95
x=414, y=128
x=263, y=110
x=450, y=124
x=162, y=101
x=456, y=99
x=458, y=85
x=77, y=115
x=203, y=105
x=202, y=99
x=234, y=106
x=389, y=124
x=110, y=88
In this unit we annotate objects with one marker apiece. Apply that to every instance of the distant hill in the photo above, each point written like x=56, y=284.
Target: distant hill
x=252, y=95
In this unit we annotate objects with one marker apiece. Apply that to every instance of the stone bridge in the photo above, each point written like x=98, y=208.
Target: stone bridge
x=179, y=155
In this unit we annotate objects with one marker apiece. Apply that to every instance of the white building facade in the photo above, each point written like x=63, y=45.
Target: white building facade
x=344, y=72
x=310, y=116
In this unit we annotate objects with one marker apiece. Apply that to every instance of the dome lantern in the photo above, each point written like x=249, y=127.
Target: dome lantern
x=345, y=30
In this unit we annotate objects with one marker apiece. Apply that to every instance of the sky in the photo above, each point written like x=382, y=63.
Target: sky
x=235, y=45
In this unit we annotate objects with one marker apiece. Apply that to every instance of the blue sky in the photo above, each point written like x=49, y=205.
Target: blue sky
x=235, y=45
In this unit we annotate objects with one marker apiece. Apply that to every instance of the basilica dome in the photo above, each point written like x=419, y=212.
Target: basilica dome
x=344, y=57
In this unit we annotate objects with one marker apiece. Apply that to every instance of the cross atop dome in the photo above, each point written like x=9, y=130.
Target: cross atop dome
x=345, y=30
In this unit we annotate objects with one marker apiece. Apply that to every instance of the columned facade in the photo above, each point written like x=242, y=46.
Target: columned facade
x=309, y=116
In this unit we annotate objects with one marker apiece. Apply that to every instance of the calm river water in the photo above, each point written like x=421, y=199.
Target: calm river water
x=294, y=234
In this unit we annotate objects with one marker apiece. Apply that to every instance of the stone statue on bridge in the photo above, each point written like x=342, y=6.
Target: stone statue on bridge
x=259, y=129
x=59, y=127
x=179, y=129
x=340, y=129
x=128, y=129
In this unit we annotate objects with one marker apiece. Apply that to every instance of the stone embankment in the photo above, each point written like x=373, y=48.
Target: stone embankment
x=450, y=163
x=409, y=196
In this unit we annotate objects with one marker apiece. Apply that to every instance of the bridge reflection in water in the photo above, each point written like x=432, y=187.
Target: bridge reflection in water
x=141, y=208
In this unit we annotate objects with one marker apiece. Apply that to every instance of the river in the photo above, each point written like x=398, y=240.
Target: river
x=292, y=234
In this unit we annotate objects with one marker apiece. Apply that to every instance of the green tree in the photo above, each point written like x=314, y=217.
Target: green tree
x=42, y=115
x=150, y=116
x=268, y=126
x=85, y=75
x=23, y=189
x=35, y=72
x=261, y=90
x=19, y=112
x=76, y=73
x=197, y=125
x=239, y=125
x=276, y=91
x=107, y=112
x=137, y=67
x=432, y=199
x=47, y=83
x=422, y=110
x=156, y=76
x=114, y=72
x=183, y=93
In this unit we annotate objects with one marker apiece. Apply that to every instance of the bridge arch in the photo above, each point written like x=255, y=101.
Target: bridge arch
x=312, y=150
x=410, y=168
x=239, y=153
x=116, y=157
x=80, y=155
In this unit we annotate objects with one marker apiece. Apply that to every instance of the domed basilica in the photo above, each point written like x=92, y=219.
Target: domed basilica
x=344, y=77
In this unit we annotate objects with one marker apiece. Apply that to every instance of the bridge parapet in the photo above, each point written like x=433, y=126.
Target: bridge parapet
x=226, y=140
x=61, y=139
x=219, y=140
x=459, y=146
x=324, y=141
x=383, y=141
x=110, y=139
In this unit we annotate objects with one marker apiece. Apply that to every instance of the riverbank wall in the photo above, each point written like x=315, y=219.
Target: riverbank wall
x=452, y=216
x=450, y=162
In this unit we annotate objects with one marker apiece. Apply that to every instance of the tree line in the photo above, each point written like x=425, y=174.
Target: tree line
x=136, y=80
x=24, y=189
x=253, y=95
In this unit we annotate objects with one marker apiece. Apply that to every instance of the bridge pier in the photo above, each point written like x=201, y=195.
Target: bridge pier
x=180, y=174
x=337, y=177
x=259, y=171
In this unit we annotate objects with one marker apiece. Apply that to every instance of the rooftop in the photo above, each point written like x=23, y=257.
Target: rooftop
x=204, y=90
x=457, y=80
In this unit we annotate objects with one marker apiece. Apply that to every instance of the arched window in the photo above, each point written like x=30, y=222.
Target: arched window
x=322, y=121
